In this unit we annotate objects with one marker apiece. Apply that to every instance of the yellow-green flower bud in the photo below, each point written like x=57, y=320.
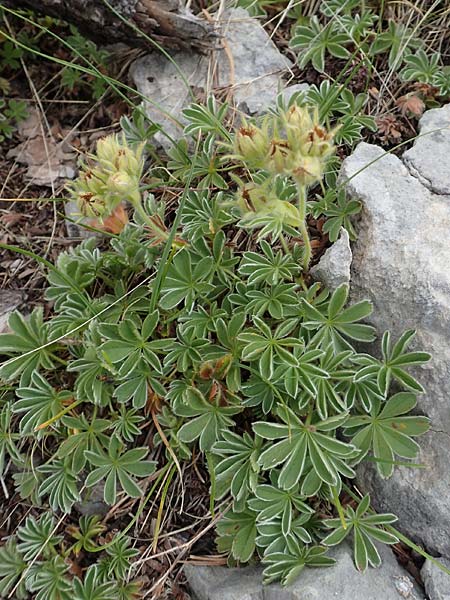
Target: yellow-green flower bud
x=107, y=148
x=251, y=144
x=299, y=117
x=308, y=170
x=121, y=183
x=278, y=156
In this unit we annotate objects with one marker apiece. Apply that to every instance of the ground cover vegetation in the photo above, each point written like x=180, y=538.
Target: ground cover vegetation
x=183, y=370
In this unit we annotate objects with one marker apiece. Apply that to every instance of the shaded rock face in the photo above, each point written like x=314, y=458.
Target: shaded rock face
x=437, y=583
x=248, y=65
x=401, y=263
x=341, y=582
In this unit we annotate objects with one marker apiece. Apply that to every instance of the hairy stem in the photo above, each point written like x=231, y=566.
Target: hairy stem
x=303, y=228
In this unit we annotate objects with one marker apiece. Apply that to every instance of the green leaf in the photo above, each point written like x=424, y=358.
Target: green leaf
x=118, y=466
x=387, y=432
x=28, y=345
x=366, y=528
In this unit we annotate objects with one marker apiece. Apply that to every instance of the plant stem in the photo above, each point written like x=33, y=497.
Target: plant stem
x=303, y=228
x=162, y=235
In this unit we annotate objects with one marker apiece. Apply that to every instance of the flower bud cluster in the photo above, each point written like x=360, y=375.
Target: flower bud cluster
x=99, y=189
x=293, y=144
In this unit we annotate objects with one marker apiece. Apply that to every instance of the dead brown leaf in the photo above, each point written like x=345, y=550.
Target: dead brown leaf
x=411, y=105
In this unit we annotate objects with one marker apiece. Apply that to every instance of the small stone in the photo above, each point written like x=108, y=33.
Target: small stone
x=92, y=501
x=333, y=269
x=437, y=583
x=10, y=300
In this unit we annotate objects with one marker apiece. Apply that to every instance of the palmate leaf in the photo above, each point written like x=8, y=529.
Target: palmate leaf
x=83, y=435
x=398, y=40
x=300, y=441
x=93, y=382
x=387, y=432
x=237, y=534
x=59, y=484
x=39, y=402
x=258, y=391
x=92, y=589
x=367, y=529
x=186, y=350
x=203, y=215
x=206, y=118
x=136, y=385
x=337, y=324
x=395, y=360
x=129, y=343
x=207, y=420
x=50, y=580
x=270, y=267
x=315, y=40
x=37, y=538
x=12, y=565
x=277, y=300
x=120, y=557
x=119, y=466
x=287, y=566
x=185, y=282
x=305, y=375
x=8, y=438
x=263, y=345
x=238, y=466
x=272, y=536
x=271, y=502
x=27, y=345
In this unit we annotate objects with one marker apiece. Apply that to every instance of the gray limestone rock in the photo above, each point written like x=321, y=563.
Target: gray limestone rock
x=248, y=65
x=341, y=582
x=333, y=269
x=429, y=158
x=400, y=263
x=437, y=583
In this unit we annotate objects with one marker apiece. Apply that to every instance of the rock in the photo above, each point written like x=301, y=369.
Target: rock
x=437, y=583
x=220, y=583
x=343, y=582
x=400, y=263
x=333, y=269
x=75, y=222
x=92, y=501
x=249, y=65
x=428, y=159
x=10, y=300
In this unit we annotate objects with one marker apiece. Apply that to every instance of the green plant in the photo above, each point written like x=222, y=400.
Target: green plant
x=11, y=114
x=221, y=349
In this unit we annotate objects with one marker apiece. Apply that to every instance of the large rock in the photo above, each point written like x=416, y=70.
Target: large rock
x=401, y=263
x=248, y=66
x=341, y=582
x=437, y=583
